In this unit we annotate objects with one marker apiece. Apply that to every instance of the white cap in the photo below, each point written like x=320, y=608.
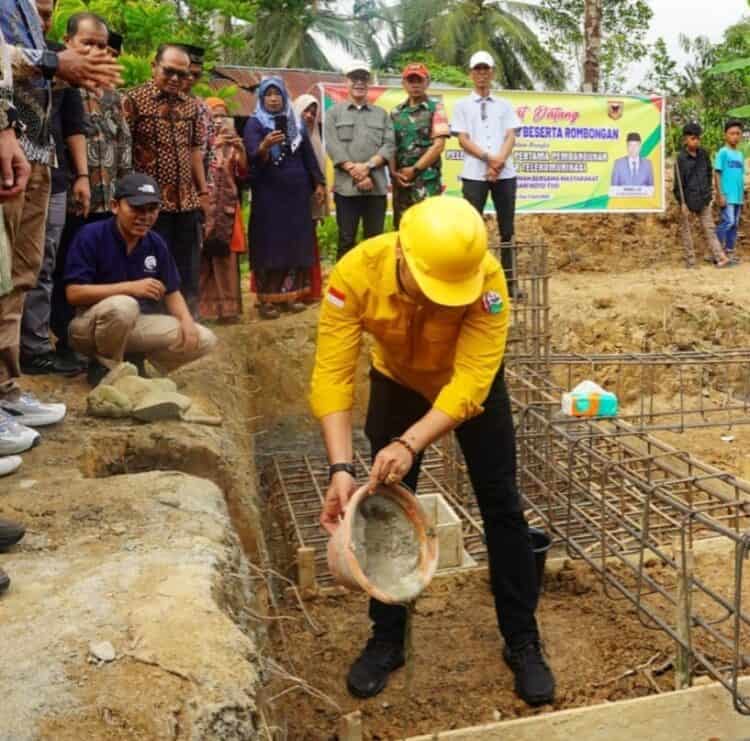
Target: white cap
x=481, y=57
x=357, y=66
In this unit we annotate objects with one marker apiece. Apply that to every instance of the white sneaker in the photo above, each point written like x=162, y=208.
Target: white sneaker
x=15, y=438
x=10, y=464
x=27, y=410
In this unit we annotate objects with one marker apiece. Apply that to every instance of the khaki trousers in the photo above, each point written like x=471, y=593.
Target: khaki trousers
x=709, y=232
x=115, y=327
x=25, y=218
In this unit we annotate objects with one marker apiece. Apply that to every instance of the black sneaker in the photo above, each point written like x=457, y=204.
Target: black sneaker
x=369, y=673
x=95, y=373
x=10, y=533
x=139, y=361
x=49, y=363
x=71, y=356
x=4, y=581
x=535, y=683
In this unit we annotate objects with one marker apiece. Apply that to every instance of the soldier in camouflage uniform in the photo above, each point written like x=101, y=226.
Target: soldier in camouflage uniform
x=421, y=130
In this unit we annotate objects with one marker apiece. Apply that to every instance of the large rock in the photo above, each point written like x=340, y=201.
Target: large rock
x=107, y=401
x=161, y=405
x=156, y=570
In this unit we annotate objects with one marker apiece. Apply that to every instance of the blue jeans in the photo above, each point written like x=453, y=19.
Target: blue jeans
x=728, y=226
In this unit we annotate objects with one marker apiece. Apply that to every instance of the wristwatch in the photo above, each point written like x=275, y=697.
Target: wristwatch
x=9, y=117
x=49, y=64
x=338, y=467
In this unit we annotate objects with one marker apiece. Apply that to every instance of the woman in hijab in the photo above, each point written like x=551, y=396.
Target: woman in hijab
x=220, y=294
x=284, y=175
x=308, y=109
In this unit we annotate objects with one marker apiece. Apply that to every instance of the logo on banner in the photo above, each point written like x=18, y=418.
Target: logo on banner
x=615, y=109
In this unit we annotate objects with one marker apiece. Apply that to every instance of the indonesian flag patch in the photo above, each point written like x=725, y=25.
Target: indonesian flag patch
x=492, y=302
x=336, y=297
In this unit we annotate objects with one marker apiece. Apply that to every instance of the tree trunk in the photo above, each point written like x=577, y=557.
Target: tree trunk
x=592, y=32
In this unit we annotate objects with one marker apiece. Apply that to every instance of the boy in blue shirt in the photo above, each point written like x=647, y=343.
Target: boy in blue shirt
x=729, y=180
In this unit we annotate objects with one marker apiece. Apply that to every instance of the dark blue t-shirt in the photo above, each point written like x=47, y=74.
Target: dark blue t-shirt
x=98, y=256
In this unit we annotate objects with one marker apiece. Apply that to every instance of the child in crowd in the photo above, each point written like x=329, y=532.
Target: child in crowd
x=693, y=191
x=729, y=178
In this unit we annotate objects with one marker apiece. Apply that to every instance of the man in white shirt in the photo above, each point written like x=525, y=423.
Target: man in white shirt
x=486, y=128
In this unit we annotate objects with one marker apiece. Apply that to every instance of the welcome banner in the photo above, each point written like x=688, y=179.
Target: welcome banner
x=574, y=152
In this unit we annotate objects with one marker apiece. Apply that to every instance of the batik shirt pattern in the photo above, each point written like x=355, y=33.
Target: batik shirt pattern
x=416, y=128
x=108, y=146
x=165, y=130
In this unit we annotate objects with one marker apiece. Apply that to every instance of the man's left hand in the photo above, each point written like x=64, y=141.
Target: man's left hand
x=320, y=194
x=408, y=175
x=205, y=203
x=391, y=464
x=82, y=196
x=496, y=162
x=190, y=337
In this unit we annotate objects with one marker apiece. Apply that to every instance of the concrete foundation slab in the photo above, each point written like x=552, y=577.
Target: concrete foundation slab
x=698, y=714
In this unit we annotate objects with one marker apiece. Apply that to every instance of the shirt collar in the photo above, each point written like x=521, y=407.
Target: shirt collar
x=478, y=98
x=406, y=107
x=364, y=107
x=388, y=280
x=120, y=240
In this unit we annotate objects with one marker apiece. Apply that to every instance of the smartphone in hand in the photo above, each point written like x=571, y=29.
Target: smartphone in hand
x=280, y=123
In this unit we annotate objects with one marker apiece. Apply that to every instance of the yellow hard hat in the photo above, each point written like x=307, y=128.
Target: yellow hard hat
x=444, y=241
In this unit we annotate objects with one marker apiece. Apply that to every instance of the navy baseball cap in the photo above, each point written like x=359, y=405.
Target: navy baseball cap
x=138, y=189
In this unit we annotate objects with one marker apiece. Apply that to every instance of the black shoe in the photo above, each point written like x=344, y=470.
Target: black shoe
x=535, y=683
x=95, y=372
x=10, y=533
x=4, y=581
x=139, y=361
x=49, y=363
x=71, y=356
x=369, y=673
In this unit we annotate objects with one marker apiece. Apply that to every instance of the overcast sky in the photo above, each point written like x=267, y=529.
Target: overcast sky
x=671, y=18
x=692, y=18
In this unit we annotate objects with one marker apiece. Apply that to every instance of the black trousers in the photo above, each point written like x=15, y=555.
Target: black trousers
x=489, y=447
x=350, y=210
x=61, y=312
x=183, y=233
x=503, y=194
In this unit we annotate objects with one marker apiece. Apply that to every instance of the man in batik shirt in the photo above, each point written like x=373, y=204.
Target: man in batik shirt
x=421, y=130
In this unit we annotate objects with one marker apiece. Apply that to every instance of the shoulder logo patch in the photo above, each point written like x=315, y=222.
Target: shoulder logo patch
x=492, y=302
x=149, y=264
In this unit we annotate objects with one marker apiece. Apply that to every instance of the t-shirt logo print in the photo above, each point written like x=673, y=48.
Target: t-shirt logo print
x=149, y=264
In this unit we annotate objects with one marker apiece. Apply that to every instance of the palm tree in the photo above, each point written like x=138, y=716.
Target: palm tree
x=286, y=33
x=454, y=29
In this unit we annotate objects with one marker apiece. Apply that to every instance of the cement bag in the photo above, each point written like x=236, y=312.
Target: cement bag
x=6, y=261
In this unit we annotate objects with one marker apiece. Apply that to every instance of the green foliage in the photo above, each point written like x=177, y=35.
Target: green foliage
x=452, y=30
x=328, y=236
x=662, y=76
x=624, y=27
x=446, y=73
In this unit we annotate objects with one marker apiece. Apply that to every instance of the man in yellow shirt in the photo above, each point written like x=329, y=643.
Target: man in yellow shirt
x=437, y=305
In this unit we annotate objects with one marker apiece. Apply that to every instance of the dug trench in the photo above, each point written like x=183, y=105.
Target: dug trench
x=154, y=539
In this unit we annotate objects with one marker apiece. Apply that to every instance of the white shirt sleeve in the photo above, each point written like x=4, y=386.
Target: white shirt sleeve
x=511, y=117
x=459, y=125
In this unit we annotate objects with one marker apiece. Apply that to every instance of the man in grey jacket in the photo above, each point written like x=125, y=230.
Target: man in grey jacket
x=360, y=141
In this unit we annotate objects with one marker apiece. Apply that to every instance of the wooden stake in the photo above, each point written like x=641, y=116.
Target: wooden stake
x=306, y=578
x=351, y=727
x=683, y=675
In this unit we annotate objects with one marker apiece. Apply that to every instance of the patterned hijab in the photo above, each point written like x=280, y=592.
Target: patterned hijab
x=266, y=118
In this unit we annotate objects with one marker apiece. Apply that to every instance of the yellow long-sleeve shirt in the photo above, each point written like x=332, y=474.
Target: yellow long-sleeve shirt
x=449, y=355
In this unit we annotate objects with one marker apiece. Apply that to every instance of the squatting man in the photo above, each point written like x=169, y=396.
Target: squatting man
x=436, y=303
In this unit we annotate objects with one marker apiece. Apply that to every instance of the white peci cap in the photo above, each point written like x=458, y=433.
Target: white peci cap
x=481, y=57
x=357, y=66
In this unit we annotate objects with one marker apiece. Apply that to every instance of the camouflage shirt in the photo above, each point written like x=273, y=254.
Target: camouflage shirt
x=416, y=129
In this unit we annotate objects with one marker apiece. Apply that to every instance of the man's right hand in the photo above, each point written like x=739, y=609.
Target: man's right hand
x=359, y=171
x=94, y=70
x=14, y=167
x=148, y=288
x=339, y=492
x=721, y=198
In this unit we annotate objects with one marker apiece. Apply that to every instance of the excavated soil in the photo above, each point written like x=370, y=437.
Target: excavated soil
x=618, y=285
